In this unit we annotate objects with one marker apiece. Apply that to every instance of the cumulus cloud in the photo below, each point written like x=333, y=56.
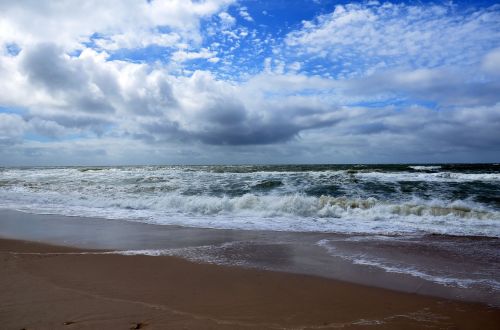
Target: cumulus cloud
x=121, y=24
x=89, y=93
x=420, y=80
x=85, y=92
x=220, y=113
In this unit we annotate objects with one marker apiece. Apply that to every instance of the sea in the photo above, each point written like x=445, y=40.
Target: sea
x=439, y=223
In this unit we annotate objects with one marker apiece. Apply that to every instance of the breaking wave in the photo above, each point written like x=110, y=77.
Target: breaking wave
x=423, y=270
x=425, y=168
x=356, y=199
x=268, y=212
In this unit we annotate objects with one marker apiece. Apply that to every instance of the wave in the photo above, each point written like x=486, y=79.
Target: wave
x=210, y=254
x=373, y=199
x=440, y=279
x=425, y=168
x=437, y=276
x=426, y=176
x=294, y=212
x=264, y=205
x=440, y=211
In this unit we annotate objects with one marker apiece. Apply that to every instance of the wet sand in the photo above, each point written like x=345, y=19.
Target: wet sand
x=53, y=287
x=279, y=251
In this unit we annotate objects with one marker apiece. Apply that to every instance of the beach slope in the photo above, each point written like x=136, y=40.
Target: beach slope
x=53, y=287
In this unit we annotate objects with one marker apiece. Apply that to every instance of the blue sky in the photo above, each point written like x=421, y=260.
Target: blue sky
x=249, y=81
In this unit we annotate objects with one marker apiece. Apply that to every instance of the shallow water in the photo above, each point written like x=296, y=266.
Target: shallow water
x=438, y=224
x=463, y=268
x=364, y=199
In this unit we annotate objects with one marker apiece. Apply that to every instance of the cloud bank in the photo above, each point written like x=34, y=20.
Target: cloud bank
x=203, y=82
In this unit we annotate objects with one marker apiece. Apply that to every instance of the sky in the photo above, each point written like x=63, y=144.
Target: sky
x=248, y=81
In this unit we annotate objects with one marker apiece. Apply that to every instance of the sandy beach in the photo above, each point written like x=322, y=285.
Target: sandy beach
x=249, y=164
x=53, y=287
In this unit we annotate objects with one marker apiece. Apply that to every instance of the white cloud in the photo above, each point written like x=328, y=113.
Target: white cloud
x=226, y=19
x=243, y=11
x=119, y=23
x=445, y=86
x=412, y=54
x=139, y=39
x=389, y=35
x=491, y=62
x=182, y=56
x=89, y=94
x=12, y=128
x=295, y=66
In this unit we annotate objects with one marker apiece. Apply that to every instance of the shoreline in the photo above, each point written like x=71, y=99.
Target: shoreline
x=287, y=252
x=63, y=289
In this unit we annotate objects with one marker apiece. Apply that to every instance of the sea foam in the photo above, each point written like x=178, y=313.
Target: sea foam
x=360, y=199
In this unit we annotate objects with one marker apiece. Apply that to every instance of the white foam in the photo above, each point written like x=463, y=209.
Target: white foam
x=282, y=213
x=164, y=196
x=392, y=267
x=425, y=168
x=151, y=252
x=429, y=177
x=444, y=280
x=205, y=254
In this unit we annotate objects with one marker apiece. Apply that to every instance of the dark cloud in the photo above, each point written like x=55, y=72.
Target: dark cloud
x=425, y=132
x=46, y=66
x=160, y=131
x=227, y=113
x=66, y=79
x=245, y=135
x=446, y=87
x=149, y=106
x=468, y=129
x=229, y=122
x=91, y=103
x=63, y=124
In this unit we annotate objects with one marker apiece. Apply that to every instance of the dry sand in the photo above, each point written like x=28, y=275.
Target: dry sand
x=51, y=287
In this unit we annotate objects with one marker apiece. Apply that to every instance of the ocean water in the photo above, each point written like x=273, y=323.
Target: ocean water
x=439, y=223
x=385, y=199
